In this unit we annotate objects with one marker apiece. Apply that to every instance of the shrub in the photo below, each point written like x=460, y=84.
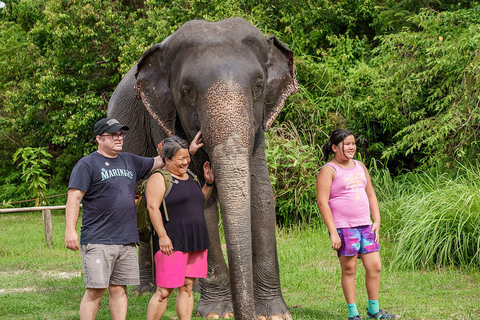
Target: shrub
x=293, y=162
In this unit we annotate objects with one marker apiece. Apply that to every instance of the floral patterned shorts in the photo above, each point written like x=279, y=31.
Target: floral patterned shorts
x=357, y=240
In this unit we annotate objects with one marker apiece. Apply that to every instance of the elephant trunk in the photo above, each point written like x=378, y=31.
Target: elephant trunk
x=232, y=178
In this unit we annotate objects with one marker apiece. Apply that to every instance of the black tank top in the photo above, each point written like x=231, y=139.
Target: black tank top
x=186, y=228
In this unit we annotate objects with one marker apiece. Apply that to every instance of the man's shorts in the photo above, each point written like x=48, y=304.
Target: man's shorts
x=106, y=264
x=357, y=240
x=172, y=270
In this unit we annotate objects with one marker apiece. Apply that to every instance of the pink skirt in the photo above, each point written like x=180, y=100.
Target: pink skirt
x=172, y=270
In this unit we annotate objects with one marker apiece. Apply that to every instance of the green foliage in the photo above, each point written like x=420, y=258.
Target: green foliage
x=66, y=68
x=395, y=15
x=410, y=97
x=33, y=163
x=437, y=84
x=293, y=165
x=72, y=54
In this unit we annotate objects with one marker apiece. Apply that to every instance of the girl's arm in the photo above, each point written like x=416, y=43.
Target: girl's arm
x=154, y=193
x=324, y=183
x=372, y=200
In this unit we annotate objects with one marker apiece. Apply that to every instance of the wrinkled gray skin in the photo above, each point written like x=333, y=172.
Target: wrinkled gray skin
x=230, y=81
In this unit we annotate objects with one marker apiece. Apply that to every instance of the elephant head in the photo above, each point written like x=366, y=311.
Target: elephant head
x=229, y=81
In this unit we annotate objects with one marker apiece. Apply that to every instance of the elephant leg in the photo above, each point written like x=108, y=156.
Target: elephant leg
x=216, y=299
x=269, y=302
x=147, y=281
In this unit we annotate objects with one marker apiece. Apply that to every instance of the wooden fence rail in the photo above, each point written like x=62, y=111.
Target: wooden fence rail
x=47, y=217
x=11, y=210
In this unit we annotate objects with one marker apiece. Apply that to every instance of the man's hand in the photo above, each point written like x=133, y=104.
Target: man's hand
x=196, y=144
x=72, y=209
x=71, y=240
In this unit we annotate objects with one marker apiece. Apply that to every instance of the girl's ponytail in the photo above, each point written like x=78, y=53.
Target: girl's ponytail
x=327, y=150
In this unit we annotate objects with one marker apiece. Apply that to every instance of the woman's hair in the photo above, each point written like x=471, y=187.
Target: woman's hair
x=337, y=136
x=169, y=147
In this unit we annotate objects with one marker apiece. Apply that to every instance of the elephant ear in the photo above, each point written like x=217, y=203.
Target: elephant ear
x=152, y=87
x=281, y=80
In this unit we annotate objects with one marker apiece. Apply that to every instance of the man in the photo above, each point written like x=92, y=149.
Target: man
x=104, y=182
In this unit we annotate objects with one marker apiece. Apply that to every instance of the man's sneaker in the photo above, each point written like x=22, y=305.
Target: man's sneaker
x=382, y=315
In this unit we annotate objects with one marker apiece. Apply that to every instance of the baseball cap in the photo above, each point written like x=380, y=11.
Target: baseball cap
x=108, y=125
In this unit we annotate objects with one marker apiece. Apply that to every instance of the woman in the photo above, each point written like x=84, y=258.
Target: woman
x=181, y=243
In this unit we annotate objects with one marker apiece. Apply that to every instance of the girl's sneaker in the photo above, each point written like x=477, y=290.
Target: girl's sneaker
x=382, y=315
x=357, y=317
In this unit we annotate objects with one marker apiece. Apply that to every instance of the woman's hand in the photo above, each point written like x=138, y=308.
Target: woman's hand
x=336, y=242
x=196, y=144
x=166, y=245
x=208, y=173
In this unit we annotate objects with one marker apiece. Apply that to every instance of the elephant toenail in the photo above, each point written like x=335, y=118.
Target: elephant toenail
x=213, y=315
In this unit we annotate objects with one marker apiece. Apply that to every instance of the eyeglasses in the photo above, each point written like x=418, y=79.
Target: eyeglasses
x=115, y=136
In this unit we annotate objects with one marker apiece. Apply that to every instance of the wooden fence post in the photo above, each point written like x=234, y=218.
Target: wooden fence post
x=47, y=218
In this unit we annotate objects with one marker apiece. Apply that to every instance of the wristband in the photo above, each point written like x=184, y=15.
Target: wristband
x=209, y=184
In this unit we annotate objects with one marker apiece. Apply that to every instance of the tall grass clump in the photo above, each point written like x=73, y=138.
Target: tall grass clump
x=437, y=221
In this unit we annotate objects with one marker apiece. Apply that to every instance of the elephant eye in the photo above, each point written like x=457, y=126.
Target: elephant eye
x=258, y=89
x=188, y=94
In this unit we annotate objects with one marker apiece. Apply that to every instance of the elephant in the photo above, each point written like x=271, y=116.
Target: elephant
x=230, y=81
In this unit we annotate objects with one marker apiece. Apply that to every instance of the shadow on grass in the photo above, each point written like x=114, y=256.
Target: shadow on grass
x=302, y=313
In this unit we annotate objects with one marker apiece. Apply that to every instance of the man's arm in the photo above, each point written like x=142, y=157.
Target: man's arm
x=157, y=163
x=196, y=143
x=72, y=210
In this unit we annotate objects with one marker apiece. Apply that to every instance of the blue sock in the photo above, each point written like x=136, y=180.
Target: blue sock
x=352, y=308
x=373, y=306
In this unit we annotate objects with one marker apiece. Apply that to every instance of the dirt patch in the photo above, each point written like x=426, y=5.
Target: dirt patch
x=62, y=275
x=43, y=274
x=14, y=290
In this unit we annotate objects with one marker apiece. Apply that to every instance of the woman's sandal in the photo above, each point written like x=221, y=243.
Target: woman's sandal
x=382, y=315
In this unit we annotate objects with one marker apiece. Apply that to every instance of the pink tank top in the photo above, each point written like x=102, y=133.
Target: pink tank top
x=348, y=198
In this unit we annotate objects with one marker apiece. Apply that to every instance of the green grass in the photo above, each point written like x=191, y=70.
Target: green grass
x=309, y=269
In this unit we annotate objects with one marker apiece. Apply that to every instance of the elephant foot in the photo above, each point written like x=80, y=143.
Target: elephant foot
x=272, y=310
x=214, y=310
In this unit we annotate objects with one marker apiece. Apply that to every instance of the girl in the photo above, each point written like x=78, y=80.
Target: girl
x=346, y=198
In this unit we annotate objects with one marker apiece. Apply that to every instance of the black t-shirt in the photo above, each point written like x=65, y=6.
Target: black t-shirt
x=186, y=228
x=109, y=215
